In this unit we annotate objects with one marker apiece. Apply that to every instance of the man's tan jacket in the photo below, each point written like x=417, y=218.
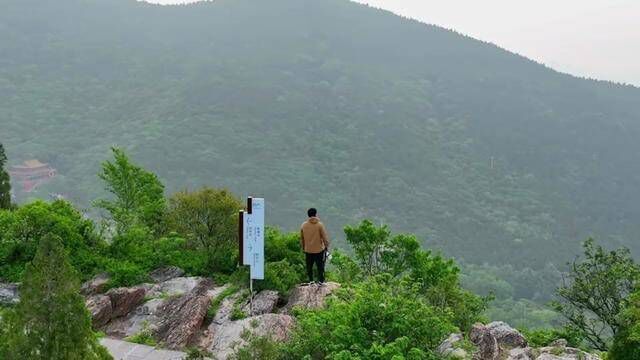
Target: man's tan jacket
x=313, y=236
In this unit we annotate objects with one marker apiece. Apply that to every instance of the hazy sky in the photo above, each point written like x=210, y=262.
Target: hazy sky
x=594, y=38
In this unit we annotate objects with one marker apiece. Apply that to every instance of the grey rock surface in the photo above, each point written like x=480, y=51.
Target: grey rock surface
x=166, y=273
x=123, y=300
x=310, y=296
x=506, y=336
x=100, y=308
x=227, y=336
x=9, y=294
x=97, y=285
x=181, y=318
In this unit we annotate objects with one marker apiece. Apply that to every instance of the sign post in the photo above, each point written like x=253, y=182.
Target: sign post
x=251, y=226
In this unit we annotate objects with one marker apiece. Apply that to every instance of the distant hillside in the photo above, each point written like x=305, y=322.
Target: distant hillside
x=359, y=112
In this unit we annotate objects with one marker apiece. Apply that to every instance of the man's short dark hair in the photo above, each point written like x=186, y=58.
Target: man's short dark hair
x=312, y=212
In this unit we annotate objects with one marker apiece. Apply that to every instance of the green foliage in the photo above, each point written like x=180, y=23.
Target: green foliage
x=345, y=269
x=207, y=217
x=377, y=252
x=217, y=301
x=5, y=183
x=284, y=267
x=597, y=287
x=50, y=321
x=324, y=126
x=523, y=313
x=21, y=231
x=257, y=347
x=376, y=319
x=194, y=353
x=626, y=344
x=138, y=195
x=144, y=337
x=544, y=337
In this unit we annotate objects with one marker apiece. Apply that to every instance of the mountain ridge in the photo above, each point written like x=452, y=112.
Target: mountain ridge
x=482, y=152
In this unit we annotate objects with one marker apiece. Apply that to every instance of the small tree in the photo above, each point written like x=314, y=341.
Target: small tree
x=5, y=185
x=51, y=322
x=139, y=194
x=594, y=293
x=207, y=217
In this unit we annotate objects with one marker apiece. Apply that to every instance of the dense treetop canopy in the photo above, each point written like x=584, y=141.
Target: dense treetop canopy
x=331, y=104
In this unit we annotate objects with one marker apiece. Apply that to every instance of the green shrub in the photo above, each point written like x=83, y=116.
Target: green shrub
x=125, y=273
x=626, y=344
x=544, y=337
x=281, y=276
x=144, y=337
x=22, y=229
x=217, y=301
x=378, y=318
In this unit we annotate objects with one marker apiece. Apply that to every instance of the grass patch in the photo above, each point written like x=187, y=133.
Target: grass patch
x=144, y=337
x=217, y=301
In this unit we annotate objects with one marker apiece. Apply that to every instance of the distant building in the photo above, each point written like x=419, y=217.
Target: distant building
x=31, y=174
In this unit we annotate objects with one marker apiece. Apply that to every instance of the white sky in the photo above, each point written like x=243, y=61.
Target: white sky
x=593, y=38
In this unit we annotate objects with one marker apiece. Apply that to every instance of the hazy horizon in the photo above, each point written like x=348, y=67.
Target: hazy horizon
x=589, y=38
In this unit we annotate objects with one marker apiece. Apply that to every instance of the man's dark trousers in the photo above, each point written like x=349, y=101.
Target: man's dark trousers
x=317, y=259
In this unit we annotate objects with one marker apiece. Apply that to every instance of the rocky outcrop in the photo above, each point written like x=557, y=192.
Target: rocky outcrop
x=264, y=302
x=95, y=286
x=310, y=296
x=449, y=348
x=166, y=273
x=486, y=343
x=563, y=353
x=182, y=317
x=506, y=336
x=499, y=341
x=100, y=308
x=172, y=287
x=142, y=316
x=9, y=294
x=123, y=300
x=228, y=336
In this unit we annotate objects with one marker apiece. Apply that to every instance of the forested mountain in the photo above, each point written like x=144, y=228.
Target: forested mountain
x=485, y=154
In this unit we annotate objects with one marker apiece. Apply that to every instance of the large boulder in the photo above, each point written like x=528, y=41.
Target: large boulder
x=145, y=315
x=521, y=354
x=228, y=336
x=123, y=300
x=310, y=296
x=486, y=343
x=97, y=285
x=166, y=273
x=264, y=302
x=181, y=317
x=100, y=308
x=9, y=294
x=173, y=287
x=506, y=336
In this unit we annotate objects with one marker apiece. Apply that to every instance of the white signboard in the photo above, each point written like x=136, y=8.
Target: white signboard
x=253, y=251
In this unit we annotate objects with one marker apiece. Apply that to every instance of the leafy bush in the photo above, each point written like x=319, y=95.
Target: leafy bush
x=379, y=318
x=144, y=337
x=596, y=291
x=544, y=337
x=208, y=218
x=22, y=229
x=281, y=276
x=626, y=344
x=400, y=256
x=138, y=195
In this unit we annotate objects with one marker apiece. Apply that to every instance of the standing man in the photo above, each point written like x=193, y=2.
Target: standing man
x=314, y=242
